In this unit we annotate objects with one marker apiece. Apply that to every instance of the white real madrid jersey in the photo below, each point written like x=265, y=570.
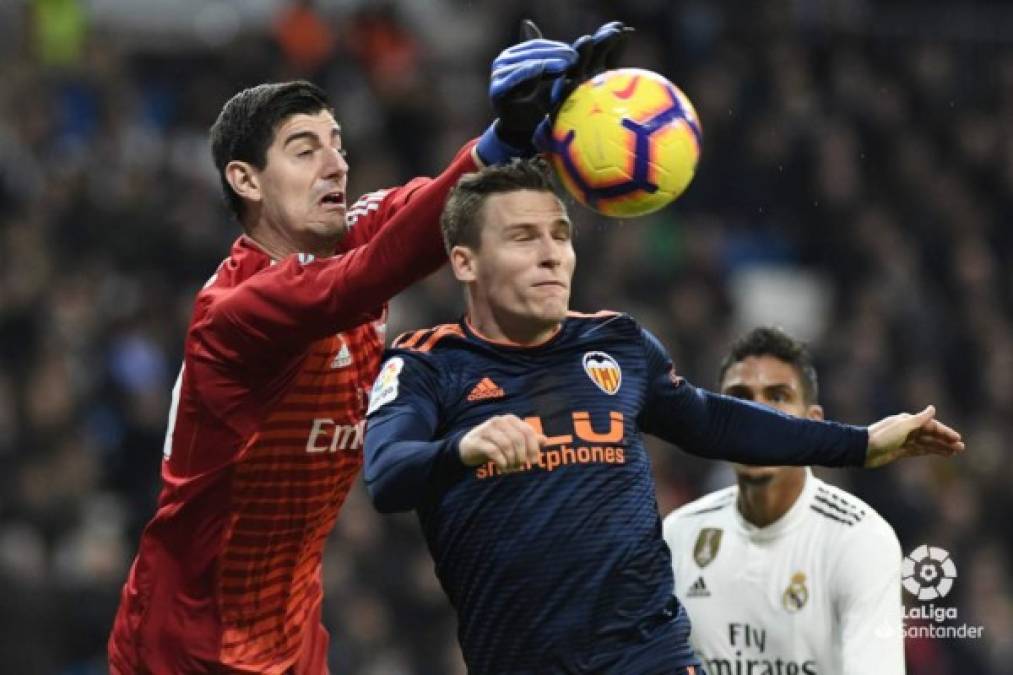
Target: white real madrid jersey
x=817, y=592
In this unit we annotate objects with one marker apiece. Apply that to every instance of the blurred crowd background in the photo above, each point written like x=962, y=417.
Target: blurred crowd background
x=856, y=187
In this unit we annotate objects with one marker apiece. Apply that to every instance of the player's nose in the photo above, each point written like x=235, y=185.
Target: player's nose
x=550, y=253
x=335, y=164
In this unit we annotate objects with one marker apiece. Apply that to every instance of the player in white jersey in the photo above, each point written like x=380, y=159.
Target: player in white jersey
x=783, y=574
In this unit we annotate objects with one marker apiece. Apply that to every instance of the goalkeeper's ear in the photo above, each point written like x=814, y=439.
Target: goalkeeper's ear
x=244, y=180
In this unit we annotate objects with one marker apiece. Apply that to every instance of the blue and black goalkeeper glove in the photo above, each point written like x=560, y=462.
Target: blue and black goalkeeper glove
x=520, y=89
x=595, y=54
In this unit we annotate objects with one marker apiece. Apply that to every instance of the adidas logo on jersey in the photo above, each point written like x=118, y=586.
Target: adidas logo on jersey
x=698, y=589
x=486, y=389
x=343, y=357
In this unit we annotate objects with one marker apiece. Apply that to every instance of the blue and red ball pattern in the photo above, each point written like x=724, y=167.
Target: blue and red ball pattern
x=626, y=143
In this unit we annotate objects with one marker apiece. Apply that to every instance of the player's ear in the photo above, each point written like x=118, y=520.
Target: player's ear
x=814, y=412
x=463, y=262
x=244, y=179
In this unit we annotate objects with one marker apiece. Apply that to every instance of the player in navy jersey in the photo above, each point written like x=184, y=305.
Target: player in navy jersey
x=265, y=428
x=515, y=435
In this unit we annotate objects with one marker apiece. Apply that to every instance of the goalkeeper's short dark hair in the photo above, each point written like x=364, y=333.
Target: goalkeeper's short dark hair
x=462, y=213
x=246, y=125
x=773, y=341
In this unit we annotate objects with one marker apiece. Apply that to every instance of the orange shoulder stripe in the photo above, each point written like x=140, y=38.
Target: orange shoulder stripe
x=424, y=340
x=409, y=339
x=438, y=334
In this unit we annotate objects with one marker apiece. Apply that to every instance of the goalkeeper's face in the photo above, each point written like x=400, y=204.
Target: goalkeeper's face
x=301, y=189
x=769, y=381
x=521, y=271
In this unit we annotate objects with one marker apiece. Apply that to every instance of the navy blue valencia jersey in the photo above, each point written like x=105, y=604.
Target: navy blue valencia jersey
x=561, y=567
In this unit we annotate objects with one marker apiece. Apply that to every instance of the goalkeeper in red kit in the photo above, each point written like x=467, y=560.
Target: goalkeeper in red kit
x=265, y=428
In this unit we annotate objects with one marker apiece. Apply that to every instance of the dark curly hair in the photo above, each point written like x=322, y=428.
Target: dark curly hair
x=772, y=341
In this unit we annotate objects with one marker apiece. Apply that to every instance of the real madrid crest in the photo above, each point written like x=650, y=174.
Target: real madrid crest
x=707, y=544
x=796, y=595
x=604, y=371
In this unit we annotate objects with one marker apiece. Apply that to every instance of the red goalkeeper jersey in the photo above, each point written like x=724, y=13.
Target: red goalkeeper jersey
x=263, y=443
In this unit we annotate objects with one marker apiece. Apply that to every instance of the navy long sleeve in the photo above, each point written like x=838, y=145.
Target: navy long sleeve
x=402, y=459
x=720, y=427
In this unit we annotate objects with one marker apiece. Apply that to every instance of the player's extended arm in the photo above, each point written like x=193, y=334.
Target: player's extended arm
x=866, y=589
x=293, y=302
x=720, y=427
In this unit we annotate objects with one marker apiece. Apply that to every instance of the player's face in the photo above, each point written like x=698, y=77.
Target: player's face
x=769, y=381
x=524, y=264
x=302, y=185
